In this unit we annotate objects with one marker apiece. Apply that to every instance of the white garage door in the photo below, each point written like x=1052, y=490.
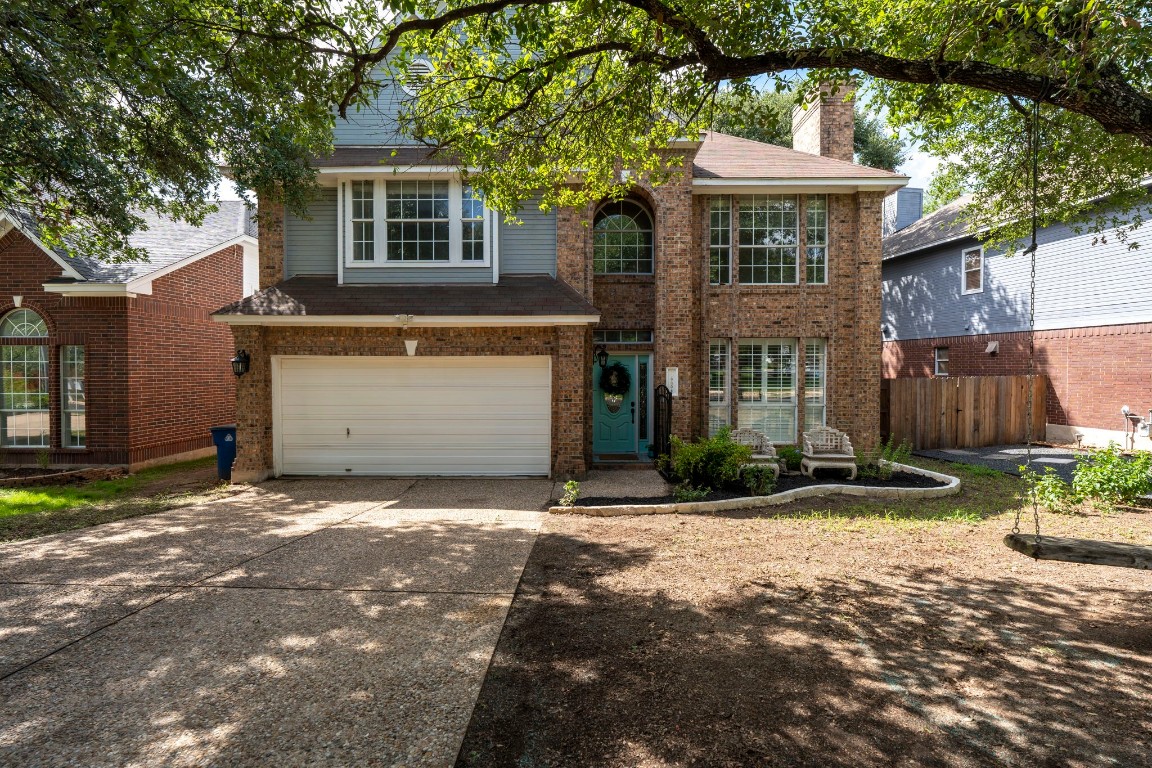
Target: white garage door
x=413, y=415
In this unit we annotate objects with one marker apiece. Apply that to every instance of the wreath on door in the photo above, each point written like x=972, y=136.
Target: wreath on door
x=615, y=380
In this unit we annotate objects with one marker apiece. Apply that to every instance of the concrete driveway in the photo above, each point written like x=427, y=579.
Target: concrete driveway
x=343, y=622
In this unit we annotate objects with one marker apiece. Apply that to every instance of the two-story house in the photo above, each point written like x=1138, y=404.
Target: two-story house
x=954, y=307
x=403, y=328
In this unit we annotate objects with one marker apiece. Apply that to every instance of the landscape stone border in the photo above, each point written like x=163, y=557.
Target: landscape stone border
x=751, y=502
x=64, y=478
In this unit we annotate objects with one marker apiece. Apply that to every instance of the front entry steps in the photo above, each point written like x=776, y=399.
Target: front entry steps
x=621, y=461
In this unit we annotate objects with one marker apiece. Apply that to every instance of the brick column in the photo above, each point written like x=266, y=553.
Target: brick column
x=678, y=279
x=253, y=408
x=271, y=223
x=572, y=403
x=868, y=346
x=574, y=248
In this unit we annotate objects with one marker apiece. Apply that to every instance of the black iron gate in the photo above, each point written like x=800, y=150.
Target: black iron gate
x=663, y=426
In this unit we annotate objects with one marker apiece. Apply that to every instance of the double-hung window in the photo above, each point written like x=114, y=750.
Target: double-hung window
x=816, y=249
x=766, y=386
x=769, y=240
x=426, y=222
x=24, y=416
x=815, y=383
x=940, y=361
x=718, y=367
x=973, y=266
x=720, y=241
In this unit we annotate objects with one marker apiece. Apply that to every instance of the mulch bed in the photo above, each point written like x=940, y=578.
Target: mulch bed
x=785, y=483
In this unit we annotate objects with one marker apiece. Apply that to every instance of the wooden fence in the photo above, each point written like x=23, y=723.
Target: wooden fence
x=962, y=411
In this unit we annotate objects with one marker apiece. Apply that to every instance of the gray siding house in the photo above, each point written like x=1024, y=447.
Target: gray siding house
x=952, y=307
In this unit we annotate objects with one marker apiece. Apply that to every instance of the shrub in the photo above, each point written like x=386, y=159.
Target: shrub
x=708, y=463
x=1108, y=478
x=790, y=456
x=571, y=493
x=1049, y=489
x=876, y=462
x=685, y=493
x=759, y=479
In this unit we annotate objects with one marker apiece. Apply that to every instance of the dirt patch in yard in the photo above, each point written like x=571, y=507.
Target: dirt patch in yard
x=833, y=632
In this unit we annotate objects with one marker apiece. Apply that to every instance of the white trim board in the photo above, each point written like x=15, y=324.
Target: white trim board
x=69, y=270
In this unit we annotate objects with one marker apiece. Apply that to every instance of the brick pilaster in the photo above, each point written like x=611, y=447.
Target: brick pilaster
x=271, y=223
x=253, y=408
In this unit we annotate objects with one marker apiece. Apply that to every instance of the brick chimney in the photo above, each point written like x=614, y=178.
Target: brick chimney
x=827, y=127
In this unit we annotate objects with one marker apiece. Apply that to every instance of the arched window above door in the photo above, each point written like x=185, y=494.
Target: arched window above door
x=622, y=239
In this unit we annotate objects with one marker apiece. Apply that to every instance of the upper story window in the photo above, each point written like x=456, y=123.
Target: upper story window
x=414, y=223
x=973, y=266
x=622, y=239
x=816, y=248
x=769, y=240
x=720, y=241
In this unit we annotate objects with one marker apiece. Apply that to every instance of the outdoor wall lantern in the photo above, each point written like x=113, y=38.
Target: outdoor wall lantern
x=240, y=362
x=601, y=356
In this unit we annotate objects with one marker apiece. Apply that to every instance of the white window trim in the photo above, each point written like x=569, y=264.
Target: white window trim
x=936, y=360
x=380, y=248
x=793, y=403
x=741, y=247
x=964, y=290
x=827, y=239
x=724, y=406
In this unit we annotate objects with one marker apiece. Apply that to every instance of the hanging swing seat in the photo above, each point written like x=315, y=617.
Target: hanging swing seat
x=1089, y=551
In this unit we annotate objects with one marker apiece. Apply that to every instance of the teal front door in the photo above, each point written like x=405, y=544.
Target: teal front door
x=619, y=421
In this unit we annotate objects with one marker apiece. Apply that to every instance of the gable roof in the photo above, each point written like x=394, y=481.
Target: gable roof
x=166, y=241
x=941, y=226
x=722, y=156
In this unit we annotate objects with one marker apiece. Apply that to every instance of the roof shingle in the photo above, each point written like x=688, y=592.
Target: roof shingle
x=320, y=295
x=729, y=157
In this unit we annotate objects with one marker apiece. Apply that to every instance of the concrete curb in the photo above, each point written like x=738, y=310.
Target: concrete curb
x=751, y=502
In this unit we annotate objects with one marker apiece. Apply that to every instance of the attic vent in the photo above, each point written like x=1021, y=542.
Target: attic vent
x=419, y=71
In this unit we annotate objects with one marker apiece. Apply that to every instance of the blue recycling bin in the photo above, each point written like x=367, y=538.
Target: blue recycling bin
x=225, y=440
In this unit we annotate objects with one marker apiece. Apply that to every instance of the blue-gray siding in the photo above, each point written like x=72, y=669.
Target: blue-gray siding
x=530, y=246
x=310, y=244
x=525, y=248
x=902, y=208
x=375, y=124
x=1078, y=285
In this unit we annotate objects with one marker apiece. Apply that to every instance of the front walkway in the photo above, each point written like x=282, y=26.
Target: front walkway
x=344, y=622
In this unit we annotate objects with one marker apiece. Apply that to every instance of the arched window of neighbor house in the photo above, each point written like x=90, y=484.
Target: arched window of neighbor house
x=24, y=392
x=622, y=239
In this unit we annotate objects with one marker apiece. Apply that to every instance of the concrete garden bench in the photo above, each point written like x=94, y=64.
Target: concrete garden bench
x=827, y=448
x=763, y=452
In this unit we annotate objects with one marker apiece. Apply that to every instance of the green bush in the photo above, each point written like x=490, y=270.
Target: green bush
x=790, y=457
x=1108, y=478
x=685, y=493
x=876, y=462
x=709, y=463
x=1049, y=489
x=759, y=479
x=571, y=493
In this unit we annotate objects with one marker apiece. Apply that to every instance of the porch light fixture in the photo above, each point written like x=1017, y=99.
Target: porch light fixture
x=601, y=356
x=240, y=362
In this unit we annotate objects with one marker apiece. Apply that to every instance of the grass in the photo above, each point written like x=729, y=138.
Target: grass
x=38, y=511
x=985, y=493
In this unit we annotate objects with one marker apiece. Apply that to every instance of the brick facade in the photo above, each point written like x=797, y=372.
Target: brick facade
x=1092, y=372
x=156, y=367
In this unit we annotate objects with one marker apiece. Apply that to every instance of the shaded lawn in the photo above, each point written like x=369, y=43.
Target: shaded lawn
x=37, y=511
x=830, y=632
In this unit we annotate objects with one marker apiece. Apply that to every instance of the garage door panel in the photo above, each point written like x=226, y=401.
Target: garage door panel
x=414, y=416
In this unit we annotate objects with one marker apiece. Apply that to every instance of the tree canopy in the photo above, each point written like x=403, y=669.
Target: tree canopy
x=767, y=116
x=107, y=107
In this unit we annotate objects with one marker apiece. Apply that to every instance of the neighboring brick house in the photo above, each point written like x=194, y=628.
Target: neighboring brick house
x=403, y=328
x=119, y=364
x=953, y=307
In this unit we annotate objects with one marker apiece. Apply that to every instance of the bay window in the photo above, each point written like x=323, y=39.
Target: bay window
x=426, y=222
x=815, y=383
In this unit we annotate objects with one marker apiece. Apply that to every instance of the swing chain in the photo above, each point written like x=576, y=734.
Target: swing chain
x=1034, y=148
